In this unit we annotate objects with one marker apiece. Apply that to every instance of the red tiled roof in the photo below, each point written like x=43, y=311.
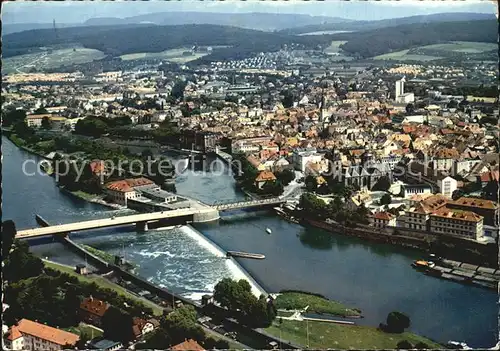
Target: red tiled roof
x=265, y=176
x=188, y=345
x=489, y=176
x=94, y=306
x=386, y=216
x=127, y=185
x=44, y=332
x=457, y=214
x=475, y=202
x=14, y=333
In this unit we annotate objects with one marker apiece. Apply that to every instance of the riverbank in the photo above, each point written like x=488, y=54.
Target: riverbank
x=96, y=199
x=324, y=335
x=295, y=300
x=453, y=248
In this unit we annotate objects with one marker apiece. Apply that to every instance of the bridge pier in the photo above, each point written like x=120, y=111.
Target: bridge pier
x=141, y=226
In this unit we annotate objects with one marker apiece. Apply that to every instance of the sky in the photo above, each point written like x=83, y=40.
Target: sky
x=79, y=11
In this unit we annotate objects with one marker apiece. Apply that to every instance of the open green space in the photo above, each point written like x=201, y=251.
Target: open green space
x=38, y=62
x=317, y=304
x=463, y=46
x=323, y=335
x=85, y=331
x=403, y=55
x=104, y=283
x=335, y=46
x=173, y=55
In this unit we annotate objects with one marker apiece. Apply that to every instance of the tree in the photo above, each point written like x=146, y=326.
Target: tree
x=117, y=325
x=383, y=184
x=181, y=324
x=397, y=322
x=41, y=111
x=8, y=234
x=405, y=345
x=311, y=183
x=11, y=117
x=421, y=346
x=288, y=99
x=178, y=90
x=147, y=153
x=286, y=176
x=410, y=108
x=91, y=126
x=457, y=194
x=20, y=263
x=385, y=199
x=452, y=104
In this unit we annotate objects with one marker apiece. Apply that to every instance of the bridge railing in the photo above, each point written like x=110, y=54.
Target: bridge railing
x=227, y=205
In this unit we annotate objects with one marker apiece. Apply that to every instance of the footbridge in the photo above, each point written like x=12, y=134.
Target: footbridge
x=226, y=206
x=197, y=214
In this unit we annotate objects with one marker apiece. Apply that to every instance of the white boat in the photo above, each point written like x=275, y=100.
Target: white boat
x=268, y=231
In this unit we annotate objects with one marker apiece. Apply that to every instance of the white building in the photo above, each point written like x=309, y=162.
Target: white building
x=399, y=88
x=301, y=158
x=29, y=335
x=459, y=223
x=447, y=186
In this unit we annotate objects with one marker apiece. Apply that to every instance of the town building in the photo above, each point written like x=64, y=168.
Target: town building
x=92, y=310
x=417, y=217
x=383, y=219
x=106, y=345
x=29, y=335
x=121, y=190
x=464, y=224
x=447, y=186
x=488, y=209
x=155, y=193
x=263, y=178
x=188, y=345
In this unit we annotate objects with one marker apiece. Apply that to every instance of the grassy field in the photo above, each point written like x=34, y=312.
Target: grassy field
x=86, y=330
x=104, y=283
x=463, y=46
x=404, y=56
x=173, y=55
x=40, y=61
x=324, y=335
x=296, y=300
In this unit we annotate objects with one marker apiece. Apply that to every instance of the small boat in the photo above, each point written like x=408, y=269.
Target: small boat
x=421, y=264
x=268, y=231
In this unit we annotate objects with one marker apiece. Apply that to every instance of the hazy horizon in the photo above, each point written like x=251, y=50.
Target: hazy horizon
x=78, y=12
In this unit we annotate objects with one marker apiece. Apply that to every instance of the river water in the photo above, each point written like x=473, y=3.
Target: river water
x=376, y=278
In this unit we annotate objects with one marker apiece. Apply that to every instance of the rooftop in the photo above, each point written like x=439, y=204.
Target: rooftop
x=44, y=332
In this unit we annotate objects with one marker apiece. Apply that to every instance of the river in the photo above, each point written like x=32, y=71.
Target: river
x=376, y=278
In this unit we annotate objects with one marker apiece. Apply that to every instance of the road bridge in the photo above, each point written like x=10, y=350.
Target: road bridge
x=197, y=214
x=206, y=214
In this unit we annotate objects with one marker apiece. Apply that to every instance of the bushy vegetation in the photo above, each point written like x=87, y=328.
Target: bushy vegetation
x=381, y=41
x=317, y=304
x=315, y=208
x=237, y=297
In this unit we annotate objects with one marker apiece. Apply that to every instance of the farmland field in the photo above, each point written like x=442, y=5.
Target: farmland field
x=463, y=46
x=439, y=51
x=335, y=52
x=403, y=55
x=38, y=62
x=172, y=55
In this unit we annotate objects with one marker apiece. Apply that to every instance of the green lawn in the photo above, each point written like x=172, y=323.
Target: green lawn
x=173, y=55
x=89, y=332
x=84, y=195
x=404, y=56
x=104, y=283
x=42, y=60
x=324, y=335
x=463, y=46
x=296, y=300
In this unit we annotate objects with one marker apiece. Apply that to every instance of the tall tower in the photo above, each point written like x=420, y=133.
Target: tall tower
x=400, y=88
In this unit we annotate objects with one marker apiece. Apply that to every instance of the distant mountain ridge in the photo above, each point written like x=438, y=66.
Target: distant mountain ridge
x=256, y=20
x=370, y=25
x=288, y=23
